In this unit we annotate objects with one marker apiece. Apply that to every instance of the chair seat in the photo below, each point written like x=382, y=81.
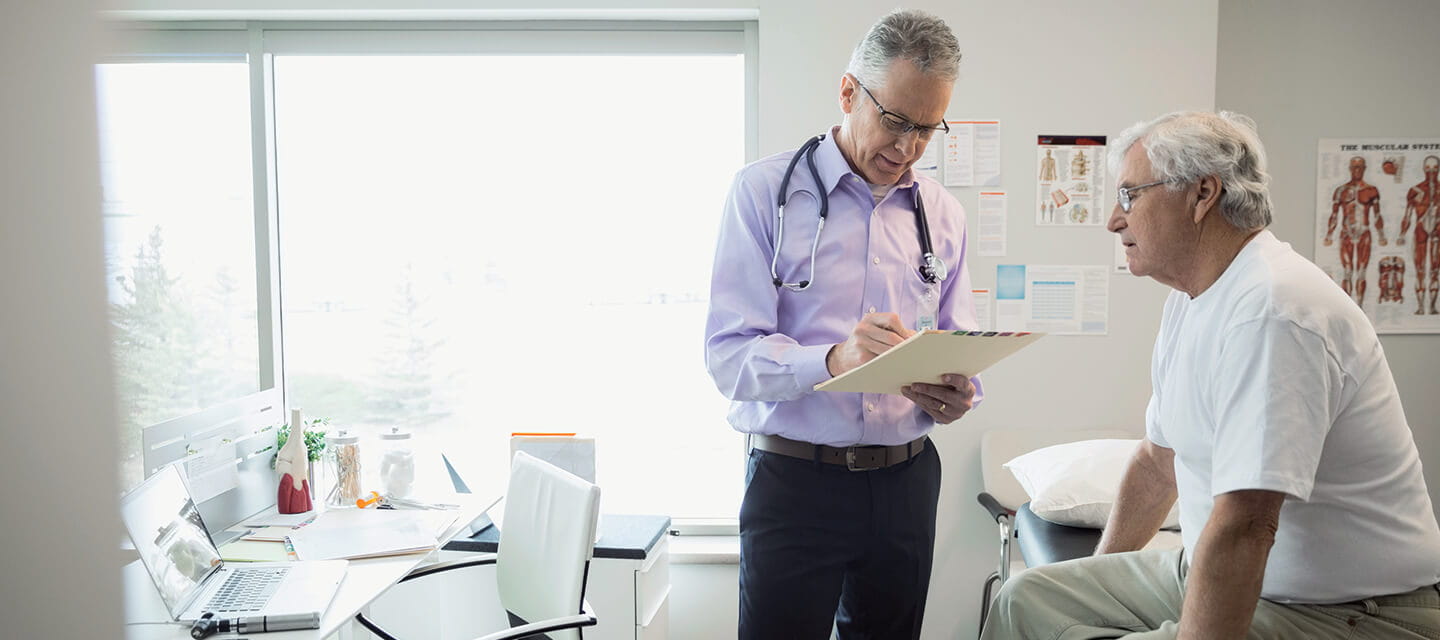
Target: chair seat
x=1043, y=542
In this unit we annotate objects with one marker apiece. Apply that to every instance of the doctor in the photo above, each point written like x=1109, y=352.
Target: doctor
x=828, y=255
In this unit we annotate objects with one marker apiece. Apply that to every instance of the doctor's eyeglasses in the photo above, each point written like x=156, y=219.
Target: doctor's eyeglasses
x=898, y=124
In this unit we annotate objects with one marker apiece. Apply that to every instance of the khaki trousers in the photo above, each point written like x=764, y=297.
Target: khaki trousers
x=1138, y=596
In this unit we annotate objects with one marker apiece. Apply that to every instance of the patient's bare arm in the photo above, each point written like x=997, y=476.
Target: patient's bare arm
x=1146, y=493
x=1228, y=571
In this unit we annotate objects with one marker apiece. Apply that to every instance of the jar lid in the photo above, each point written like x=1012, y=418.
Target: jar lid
x=395, y=434
x=342, y=437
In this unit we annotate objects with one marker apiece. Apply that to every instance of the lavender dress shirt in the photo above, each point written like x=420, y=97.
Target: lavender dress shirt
x=765, y=346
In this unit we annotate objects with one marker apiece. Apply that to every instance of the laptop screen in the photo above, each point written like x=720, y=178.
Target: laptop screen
x=172, y=540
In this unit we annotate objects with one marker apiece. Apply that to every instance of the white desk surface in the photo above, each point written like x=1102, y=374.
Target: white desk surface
x=365, y=580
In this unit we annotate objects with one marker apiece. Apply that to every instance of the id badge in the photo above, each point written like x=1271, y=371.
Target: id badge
x=927, y=307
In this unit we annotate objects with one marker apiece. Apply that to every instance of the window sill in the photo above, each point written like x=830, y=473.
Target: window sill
x=705, y=550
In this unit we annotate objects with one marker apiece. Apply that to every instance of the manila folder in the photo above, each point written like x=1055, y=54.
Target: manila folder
x=926, y=356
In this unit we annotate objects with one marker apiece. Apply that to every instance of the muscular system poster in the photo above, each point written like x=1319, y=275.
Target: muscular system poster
x=1377, y=227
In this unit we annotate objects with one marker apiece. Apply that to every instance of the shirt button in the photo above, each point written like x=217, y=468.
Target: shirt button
x=872, y=309
x=875, y=260
x=870, y=407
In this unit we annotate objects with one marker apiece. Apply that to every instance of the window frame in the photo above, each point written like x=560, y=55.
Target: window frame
x=256, y=42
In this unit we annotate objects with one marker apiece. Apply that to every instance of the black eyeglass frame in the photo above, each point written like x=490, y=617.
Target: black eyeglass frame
x=1125, y=200
x=898, y=124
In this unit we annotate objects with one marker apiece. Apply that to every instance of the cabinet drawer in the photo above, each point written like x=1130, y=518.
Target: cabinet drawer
x=659, y=626
x=652, y=583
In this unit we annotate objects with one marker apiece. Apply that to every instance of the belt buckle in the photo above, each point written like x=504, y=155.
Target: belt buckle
x=850, y=461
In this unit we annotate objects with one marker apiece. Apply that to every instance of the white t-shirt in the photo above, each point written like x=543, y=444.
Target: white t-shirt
x=1274, y=379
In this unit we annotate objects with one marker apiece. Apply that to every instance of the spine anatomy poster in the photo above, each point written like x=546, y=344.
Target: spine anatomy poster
x=1070, y=181
x=1377, y=227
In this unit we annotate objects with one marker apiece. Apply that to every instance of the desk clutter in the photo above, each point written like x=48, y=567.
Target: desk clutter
x=344, y=534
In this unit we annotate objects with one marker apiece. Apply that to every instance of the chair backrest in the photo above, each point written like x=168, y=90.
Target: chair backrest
x=999, y=446
x=546, y=541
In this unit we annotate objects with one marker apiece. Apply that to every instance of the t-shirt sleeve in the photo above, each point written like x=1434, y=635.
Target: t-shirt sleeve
x=1152, y=422
x=1275, y=396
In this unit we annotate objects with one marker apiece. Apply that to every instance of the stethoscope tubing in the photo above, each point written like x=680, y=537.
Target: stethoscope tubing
x=932, y=268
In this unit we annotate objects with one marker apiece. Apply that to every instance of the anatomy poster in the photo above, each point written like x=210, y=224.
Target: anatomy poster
x=1070, y=181
x=1377, y=227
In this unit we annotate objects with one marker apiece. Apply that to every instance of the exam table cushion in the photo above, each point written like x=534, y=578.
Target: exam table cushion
x=1043, y=542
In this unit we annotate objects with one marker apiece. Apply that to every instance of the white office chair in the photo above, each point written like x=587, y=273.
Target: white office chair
x=544, y=554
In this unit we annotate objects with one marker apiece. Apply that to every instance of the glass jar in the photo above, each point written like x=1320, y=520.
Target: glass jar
x=342, y=466
x=397, y=464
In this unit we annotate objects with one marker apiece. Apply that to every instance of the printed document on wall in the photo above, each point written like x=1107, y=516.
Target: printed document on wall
x=992, y=226
x=1070, y=181
x=982, y=309
x=1377, y=227
x=972, y=153
x=929, y=163
x=1058, y=299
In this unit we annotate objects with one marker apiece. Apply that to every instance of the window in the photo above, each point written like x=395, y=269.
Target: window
x=481, y=230
x=179, y=240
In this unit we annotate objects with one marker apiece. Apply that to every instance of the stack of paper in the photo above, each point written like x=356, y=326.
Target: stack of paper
x=370, y=533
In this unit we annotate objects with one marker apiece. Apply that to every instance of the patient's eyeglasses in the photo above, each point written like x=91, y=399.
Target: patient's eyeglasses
x=1124, y=196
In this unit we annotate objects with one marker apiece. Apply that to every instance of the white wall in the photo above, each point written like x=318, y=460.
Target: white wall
x=58, y=479
x=1311, y=69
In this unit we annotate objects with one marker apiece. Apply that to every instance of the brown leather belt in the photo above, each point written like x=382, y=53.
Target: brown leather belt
x=856, y=458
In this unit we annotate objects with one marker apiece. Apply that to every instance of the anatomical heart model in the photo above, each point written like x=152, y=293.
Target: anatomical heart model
x=292, y=463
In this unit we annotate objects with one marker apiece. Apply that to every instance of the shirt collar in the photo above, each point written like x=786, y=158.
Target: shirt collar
x=833, y=167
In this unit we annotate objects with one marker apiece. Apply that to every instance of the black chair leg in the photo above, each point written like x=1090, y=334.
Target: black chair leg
x=985, y=600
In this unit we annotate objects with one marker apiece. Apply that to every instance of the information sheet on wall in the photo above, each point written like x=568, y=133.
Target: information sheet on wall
x=972, y=153
x=1070, y=184
x=1059, y=299
x=982, y=309
x=1377, y=227
x=929, y=163
x=993, y=224
x=1122, y=261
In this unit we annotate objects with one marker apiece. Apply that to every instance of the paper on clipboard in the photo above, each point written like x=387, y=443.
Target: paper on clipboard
x=928, y=355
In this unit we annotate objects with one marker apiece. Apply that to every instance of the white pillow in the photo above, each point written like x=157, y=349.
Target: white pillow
x=1076, y=483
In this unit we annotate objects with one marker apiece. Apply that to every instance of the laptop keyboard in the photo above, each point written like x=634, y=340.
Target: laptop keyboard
x=247, y=590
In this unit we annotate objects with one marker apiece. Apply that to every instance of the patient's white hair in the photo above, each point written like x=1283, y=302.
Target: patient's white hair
x=1185, y=146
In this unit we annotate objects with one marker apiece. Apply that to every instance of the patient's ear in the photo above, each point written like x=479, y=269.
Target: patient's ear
x=1207, y=197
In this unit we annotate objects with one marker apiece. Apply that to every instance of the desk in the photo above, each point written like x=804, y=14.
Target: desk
x=364, y=581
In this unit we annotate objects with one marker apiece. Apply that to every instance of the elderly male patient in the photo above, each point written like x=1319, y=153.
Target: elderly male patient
x=1274, y=418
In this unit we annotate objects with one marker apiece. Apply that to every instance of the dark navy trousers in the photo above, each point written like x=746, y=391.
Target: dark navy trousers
x=823, y=545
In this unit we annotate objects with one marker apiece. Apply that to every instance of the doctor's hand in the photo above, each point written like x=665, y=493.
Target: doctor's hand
x=944, y=402
x=875, y=334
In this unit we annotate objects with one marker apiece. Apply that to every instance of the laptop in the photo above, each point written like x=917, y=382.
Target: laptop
x=182, y=559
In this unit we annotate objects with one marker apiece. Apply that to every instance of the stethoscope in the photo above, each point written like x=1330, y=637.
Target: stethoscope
x=932, y=269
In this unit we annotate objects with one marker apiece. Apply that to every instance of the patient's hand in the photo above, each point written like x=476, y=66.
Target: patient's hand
x=944, y=402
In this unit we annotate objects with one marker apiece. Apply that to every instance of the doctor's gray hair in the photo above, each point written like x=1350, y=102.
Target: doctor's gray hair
x=1185, y=146
x=909, y=35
